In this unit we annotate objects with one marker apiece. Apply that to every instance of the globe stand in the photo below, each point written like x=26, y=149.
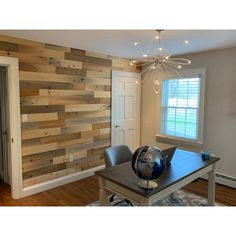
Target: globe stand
x=147, y=184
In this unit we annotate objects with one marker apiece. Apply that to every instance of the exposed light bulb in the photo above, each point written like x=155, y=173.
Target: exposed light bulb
x=136, y=44
x=145, y=55
x=153, y=67
x=157, y=37
x=179, y=67
x=186, y=42
x=160, y=49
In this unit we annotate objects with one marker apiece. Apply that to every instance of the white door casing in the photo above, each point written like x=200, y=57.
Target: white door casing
x=13, y=100
x=126, y=102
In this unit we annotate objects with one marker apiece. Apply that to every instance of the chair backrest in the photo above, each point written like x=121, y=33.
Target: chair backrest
x=116, y=155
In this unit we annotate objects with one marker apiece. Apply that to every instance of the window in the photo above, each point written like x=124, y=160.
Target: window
x=182, y=106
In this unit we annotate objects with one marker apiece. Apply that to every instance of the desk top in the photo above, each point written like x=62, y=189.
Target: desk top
x=183, y=164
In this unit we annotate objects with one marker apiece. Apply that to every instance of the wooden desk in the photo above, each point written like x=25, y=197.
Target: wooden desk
x=184, y=168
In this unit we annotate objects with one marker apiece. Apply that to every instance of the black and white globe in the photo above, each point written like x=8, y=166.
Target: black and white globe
x=148, y=163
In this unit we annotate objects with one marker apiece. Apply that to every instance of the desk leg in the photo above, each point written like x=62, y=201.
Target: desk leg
x=103, y=193
x=211, y=187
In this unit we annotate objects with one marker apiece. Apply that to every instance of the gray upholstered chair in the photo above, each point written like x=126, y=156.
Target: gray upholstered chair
x=116, y=155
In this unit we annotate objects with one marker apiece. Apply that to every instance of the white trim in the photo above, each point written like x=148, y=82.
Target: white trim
x=188, y=73
x=222, y=181
x=137, y=77
x=60, y=181
x=13, y=99
x=177, y=140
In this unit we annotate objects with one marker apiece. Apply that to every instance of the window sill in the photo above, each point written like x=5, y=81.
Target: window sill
x=178, y=141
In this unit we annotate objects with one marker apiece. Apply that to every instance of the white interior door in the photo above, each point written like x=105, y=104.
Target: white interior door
x=126, y=89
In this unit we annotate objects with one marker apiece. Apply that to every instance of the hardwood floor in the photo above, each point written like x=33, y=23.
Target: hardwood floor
x=84, y=192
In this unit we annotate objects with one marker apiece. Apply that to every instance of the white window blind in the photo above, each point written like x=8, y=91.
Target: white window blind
x=180, y=108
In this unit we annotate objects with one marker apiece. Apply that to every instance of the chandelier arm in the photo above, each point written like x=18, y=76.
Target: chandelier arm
x=156, y=82
x=149, y=72
x=176, y=66
x=181, y=61
x=144, y=63
x=170, y=68
x=148, y=68
x=154, y=72
x=172, y=62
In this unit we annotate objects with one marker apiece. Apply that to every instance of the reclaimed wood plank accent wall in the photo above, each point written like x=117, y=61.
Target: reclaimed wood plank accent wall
x=65, y=96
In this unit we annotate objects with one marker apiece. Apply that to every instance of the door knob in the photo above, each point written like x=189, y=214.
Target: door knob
x=117, y=126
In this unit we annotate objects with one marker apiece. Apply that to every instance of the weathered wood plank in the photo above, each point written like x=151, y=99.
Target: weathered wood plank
x=65, y=63
x=76, y=129
x=44, y=155
x=99, y=74
x=61, y=100
x=102, y=94
x=29, y=92
x=35, y=165
x=70, y=71
x=60, y=92
x=95, y=60
x=39, y=148
x=44, y=170
x=29, y=134
x=98, y=55
x=101, y=125
x=86, y=107
x=34, y=100
x=15, y=40
x=56, y=47
x=40, y=51
x=41, y=109
x=7, y=46
x=66, y=158
x=84, y=115
x=83, y=147
x=37, y=68
x=50, y=176
x=90, y=165
x=48, y=77
x=39, y=117
x=77, y=52
x=62, y=137
x=51, y=124
x=36, y=85
x=74, y=142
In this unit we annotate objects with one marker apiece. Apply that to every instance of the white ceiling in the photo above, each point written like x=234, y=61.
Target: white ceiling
x=120, y=42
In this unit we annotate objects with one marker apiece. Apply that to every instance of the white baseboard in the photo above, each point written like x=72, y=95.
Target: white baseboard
x=220, y=179
x=60, y=181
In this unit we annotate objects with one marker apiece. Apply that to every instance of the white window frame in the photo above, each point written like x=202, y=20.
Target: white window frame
x=187, y=73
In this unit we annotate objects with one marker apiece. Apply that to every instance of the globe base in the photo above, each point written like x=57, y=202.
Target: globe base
x=147, y=184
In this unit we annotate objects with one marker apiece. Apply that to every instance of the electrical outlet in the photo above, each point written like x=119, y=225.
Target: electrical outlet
x=71, y=158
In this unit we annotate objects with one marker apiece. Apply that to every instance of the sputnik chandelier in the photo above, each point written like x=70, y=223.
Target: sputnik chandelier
x=159, y=62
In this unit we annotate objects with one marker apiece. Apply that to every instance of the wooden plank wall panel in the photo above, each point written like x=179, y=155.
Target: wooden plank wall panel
x=65, y=107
